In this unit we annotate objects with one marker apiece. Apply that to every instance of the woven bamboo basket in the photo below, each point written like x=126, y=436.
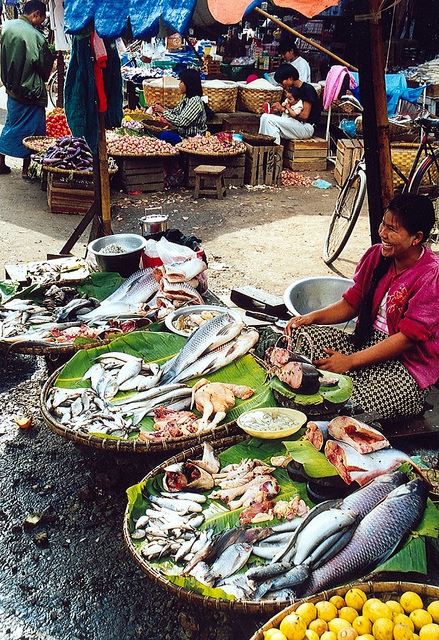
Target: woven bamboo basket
x=127, y=446
x=50, y=169
x=383, y=590
x=238, y=152
x=38, y=143
x=403, y=154
x=244, y=606
x=51, y=350
x=257, y=139
x=143, y=155
x=252, y=100
x=169, y=97
x=222, y=99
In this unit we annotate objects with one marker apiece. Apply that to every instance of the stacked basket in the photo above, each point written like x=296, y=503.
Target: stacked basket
x=167, y=94
x=252, y=100
x=221, y=95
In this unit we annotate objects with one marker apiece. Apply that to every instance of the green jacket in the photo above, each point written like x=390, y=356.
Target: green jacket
x=25, y=62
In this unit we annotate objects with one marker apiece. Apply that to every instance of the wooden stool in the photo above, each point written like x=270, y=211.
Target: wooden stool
x=206, y=173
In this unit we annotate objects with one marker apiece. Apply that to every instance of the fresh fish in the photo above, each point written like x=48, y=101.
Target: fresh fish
x=117, y=357
x=220, y=357
x=329, y=547
x=359, y=435
x=180, y=291
x=237, y=585
x=214, y=547
x=293, y=577
x=185, y=495
x=139, y=287
x=63, y=313
x=141, y=382
x=365, y=499
x=115, y=310
x=281, y=595
x=184, y=271
x=317, y=433
x=94, y=374
x=376, y=537
x=265, y=572
x=150, y=393
x=288, y=525
x=128, y=371
x=210, y=335
x=180, y=506
x=230, y=561
x=356, y=467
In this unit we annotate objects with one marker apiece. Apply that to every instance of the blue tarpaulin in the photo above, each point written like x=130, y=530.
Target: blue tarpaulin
x=111, y=16
x=396, y=89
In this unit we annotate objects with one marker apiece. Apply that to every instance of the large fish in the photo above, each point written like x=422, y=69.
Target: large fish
x=359, y=435
x=356, y=467
x=317, y=433
x=365, y=499
x=209, y=336
x=376, y=537
x=221, y=356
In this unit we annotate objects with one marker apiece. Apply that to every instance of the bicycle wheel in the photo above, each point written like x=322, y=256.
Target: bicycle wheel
x=52, y=88
x=345, y=215
x=426, y=182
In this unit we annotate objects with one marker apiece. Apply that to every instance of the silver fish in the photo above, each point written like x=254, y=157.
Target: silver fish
x=367, y=497
x=210, y=335
x=150, y=393
x=293, y=577
x=180, y=506
x=230, y=561
x=321, y=527
x=265, y=572
x=139, y=287
x=128, y=371
x=375, y=539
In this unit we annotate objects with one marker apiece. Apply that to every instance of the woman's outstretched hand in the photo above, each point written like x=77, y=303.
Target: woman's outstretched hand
x=336, y=362
x=298, y=321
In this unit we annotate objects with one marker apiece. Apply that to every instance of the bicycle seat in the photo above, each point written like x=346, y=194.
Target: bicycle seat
x=429, y=123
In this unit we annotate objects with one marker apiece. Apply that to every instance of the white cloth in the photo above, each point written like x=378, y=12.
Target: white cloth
x=56, y=17
x=289, y=128
x=303, y=68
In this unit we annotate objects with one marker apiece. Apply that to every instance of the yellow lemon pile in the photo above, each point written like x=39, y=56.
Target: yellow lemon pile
x=357, y=617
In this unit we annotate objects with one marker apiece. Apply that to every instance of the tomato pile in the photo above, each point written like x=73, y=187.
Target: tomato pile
x=56, y=124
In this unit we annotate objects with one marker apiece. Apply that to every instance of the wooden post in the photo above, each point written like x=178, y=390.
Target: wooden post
x=104, y=177
x=314, y=44
x=375, y=121
x=60, y=72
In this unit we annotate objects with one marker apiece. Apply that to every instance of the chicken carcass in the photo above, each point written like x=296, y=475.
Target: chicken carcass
x=216, y=398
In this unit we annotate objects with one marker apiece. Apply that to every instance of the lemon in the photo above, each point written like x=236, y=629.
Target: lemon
x=355, y=598
x=326, y=610
x=402, y=632
x=383, y=629
x=337, y=624
x=394, y=606
x=420, y=617
x=410, y=601
x=347, y=634
x=362, y=625
x=274, y=634
x=433, y=610
x=348, y=613
x=415, y=636
x=429, y=632
x=311, y=635
x=338, y=601
x=293, y=627
x=401, y=618
x=366, y=636
x=318, y=625
x=328, y=635
x=307, y=612
x=378, y=609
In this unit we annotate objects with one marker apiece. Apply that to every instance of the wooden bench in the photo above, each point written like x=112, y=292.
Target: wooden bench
x=213, y=174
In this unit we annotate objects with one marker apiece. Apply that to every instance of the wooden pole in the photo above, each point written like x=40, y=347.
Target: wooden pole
x=60, y=72
x=314, y=44
x=104, y=177
x=375, y=121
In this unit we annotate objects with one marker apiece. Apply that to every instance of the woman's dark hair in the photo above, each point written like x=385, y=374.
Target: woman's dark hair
x=192, y=82
x=415, y=213
x=286, y=71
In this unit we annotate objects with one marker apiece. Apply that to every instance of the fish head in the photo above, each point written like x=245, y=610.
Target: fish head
x=417, y=487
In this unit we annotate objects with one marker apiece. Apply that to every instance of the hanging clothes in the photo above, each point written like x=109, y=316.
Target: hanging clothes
x=336, y=79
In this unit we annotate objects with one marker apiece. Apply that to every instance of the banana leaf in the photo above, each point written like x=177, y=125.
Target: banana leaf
x=7, y=290
x=429, y=525
x=412, y=557
x=159, y=347
x=336, y=395
x=100, y=285
x=314, y=462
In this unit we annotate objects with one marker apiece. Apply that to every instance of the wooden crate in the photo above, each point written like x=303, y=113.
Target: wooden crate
x=234, y=173
x=348, y=153
x=65, y=195
x=263, y=165
x=141, y=174
x=305, y=155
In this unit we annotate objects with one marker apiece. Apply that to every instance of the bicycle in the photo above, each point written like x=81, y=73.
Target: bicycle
x=422, y=179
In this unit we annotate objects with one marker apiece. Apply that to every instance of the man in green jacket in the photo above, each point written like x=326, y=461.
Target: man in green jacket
x=26, y=63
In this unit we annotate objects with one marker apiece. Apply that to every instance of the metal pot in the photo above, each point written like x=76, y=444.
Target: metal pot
x=153, y=224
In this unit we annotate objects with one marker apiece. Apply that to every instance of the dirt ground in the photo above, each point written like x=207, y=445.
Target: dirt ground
x=265, y=237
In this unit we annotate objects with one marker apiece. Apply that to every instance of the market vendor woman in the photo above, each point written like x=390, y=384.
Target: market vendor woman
x=393, y=356
x=189, y=116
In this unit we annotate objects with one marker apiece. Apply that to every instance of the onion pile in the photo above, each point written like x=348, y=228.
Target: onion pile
x=139, y=146
x=294, y=179
x=211, y=144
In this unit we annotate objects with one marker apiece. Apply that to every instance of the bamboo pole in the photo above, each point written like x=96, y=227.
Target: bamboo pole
x=314, y=44
x=104, y=178
x=375, y=121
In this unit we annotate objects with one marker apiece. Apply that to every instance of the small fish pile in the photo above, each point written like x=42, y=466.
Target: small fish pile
x=248, y=484
x=61, y=270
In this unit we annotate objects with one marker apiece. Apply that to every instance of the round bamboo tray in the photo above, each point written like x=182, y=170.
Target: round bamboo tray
x=257, y=139
x=221, y=99
x=143, y=155
x=238, y=152
x=238, y=606
x=34, y=143
x=384, y=590
x=50, y=169
x=127, y=446
x=252, y=100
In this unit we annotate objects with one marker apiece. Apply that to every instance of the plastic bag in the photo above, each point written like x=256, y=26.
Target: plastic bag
x=170, y=252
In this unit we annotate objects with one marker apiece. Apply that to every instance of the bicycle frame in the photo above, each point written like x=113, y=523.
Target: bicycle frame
x=425, y=147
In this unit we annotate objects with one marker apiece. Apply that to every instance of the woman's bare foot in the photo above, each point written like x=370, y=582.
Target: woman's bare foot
x=26, y=164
